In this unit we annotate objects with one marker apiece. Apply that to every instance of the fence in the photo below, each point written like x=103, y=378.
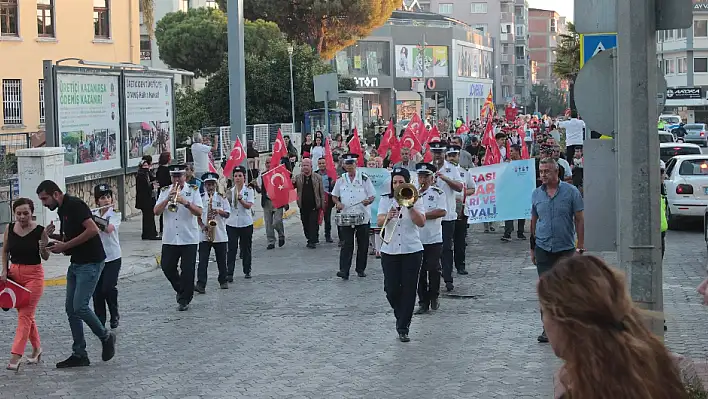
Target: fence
x=9, y=182
x=263, y=137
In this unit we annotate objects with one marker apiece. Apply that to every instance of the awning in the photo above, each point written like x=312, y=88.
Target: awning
x=353, y=93
x=407, y=96
x=145, y=126
x=698, y=102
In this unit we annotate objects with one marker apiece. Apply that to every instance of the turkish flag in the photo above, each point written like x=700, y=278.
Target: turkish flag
x=212, y=168
x=488, y=137
x=279, y=186
x=428, y=158
x=388, y=139
x=355, y=148
x=409, y=140
x=235, y=158
x=329, y=160
x=433, y=135
x=13, y=295
x=280, y=150
x=492, y=155
x=463, y=129
x=524, y=148
x=416, y=127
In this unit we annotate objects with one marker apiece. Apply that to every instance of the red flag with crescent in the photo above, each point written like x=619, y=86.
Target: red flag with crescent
x=236, y=156
x=524, y=148
x=463, y=129
x=329, y=160
x=410, y=140
x=428, y=157
x=416, y=127
x=388, y=139
x=212, y=168
x=13, y=295
x=488, y=137
x=355, y=148
x=279, y=186
x=280, y=150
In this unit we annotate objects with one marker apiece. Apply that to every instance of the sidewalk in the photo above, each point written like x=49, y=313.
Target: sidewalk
x=138, y=256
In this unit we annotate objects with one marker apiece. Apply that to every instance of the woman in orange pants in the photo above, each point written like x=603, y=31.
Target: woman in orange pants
x=23, y=245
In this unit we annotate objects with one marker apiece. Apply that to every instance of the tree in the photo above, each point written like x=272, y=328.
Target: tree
x=194, y=41
x=192, y=113
x=147, y=7
x=550, y=102
x=567, y=63
x=327, y=26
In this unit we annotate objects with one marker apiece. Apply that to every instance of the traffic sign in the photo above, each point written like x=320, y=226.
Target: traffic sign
x=591, y=45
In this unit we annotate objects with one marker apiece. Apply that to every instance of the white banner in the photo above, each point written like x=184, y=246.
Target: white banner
x=148, y=105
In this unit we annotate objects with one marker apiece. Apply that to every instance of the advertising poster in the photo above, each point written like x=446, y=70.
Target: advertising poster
x=502, y=191
x=88, y=119
x=148, y=106
x=410, y=60
x=474, y=62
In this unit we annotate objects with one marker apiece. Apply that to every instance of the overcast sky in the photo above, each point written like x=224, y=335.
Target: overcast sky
x=563, y=7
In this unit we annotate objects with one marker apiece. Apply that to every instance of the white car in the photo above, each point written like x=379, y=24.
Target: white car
x=670, y=150
x=686, y=183
x=666, y=137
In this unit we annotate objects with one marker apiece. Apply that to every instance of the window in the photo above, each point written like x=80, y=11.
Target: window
x=506, y=28
x=519, y=90
x=184, y=5
x=669, y=34
x=700, y=65
x=700, y=28
x=554, y=25
x=367, y=59
x=479, y=8
x=211, y=4
x=101, y=19
x=41, y=101
x=145, y=48
x=694, y=167
x=669, y=67
x=680, y=33
x=519, y=30
x=12, y=101
x=9, y=23
x=506, y=91
x=45, y=18
x=520, y=72
x=445, y=8
x=682, y=65
x=484, y=28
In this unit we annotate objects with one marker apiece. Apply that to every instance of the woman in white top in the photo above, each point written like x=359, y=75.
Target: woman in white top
x=106, y=292
x=317, y=150
x=239, y=225
x=401, y=257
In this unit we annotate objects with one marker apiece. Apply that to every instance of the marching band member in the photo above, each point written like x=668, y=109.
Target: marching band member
x=352, y=194
x=106, y=293
x=459, y=242
x=435, y=206
x=401, y=256
x=213, y=226
x=181, y=236
x=239, y=225
x=448, y=180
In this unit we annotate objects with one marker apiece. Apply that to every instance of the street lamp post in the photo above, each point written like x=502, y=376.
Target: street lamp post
x=292, y=85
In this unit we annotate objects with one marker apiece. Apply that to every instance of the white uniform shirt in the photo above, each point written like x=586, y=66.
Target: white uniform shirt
x=110, y=241
x=218, y=202
x=452, y=172
x=240, y=216
x=406, y=238
x=181, y=227
x=354, y=191
x=433, y=199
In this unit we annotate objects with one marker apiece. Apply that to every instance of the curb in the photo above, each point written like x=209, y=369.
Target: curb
x=257, y=224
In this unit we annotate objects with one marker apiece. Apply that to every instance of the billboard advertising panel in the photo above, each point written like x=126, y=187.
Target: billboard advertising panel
x=409, y=61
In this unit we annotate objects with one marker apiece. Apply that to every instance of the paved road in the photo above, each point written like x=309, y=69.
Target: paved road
x=296, y=331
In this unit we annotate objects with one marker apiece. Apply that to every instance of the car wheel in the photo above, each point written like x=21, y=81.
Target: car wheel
x=671, y=220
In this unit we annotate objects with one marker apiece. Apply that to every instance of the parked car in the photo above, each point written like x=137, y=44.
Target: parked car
x=686, y=183
x=666, y=137
x=670, y=150
x=696, y=133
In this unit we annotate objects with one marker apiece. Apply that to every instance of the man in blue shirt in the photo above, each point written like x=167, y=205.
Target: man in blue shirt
x=556, y=217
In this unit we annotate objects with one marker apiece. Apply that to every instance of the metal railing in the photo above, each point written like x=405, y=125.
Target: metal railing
x=262, y=135
x=9, y=181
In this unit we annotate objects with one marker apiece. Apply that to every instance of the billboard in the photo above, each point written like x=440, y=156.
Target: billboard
x=149, y=116
x=474, y=61
x=410, y=60
x=88, y=122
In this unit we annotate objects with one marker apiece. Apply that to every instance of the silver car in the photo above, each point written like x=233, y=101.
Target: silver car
x=696, y=133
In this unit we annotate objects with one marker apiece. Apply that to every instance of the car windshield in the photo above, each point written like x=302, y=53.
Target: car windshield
x=694, y=167
x=671, y=119
x=693, y=127
x=666, y=138
x=665, y=153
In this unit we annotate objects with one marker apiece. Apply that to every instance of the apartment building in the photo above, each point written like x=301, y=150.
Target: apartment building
x=545, y=27
x=35, y=30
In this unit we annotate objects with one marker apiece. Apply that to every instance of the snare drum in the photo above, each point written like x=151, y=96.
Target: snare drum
x=349, y=220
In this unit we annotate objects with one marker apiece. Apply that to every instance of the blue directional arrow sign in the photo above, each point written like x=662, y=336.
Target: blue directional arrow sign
x=590, y=45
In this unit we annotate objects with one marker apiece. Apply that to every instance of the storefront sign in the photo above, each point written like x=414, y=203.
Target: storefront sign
x=367, y=82
x=430, y=84
x=476, y=90
x=684, y=93
x=700, y=5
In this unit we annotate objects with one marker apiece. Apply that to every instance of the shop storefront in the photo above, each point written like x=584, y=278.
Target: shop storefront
x=472, y=78
x=688, y=102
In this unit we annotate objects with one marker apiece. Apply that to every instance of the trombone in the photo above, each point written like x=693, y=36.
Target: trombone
x=405, y=195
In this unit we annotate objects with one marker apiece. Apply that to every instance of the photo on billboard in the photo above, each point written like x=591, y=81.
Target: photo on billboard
x=88, y=120
x=148, y=106
x=474, y=61
x=410, y=60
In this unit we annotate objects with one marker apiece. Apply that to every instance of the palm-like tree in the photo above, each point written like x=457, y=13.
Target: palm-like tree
x=148, y=7
x=567, y=63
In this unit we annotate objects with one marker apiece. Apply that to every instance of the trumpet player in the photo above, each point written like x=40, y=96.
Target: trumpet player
x=182, y=235
x=401, y=215
x=213, y=226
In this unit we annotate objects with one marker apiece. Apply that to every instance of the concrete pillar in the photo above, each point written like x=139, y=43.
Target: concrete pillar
x=36, y=165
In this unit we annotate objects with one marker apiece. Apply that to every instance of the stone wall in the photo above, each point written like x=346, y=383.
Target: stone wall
x=84, y=190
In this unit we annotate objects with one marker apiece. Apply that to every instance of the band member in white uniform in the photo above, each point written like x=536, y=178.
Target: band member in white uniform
x=435, y=205
x=239, y=225
x=353, y=194
x=107, y=220
x=448, y=180
x=460, y=240
x=401, y=257
x=182, y=205
x=213, y=226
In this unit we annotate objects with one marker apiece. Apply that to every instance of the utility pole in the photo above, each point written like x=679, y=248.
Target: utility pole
x=237, y=73
x=422, y=78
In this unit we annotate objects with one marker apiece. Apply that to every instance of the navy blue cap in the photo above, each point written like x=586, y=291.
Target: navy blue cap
x=438, y=146
x=424, y=168
x=178, y=169
x=398, y=171
x=453, y=148
x=350, y=158
x=101, y=190
x=240, y=168
x=210, y=176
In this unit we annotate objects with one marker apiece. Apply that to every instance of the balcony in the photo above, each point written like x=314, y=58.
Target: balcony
x=521, y=39
x=506, y=58
x=506, y=80
x=520, y=59
x=520, y=81
x=507, y=17
x=506, y=38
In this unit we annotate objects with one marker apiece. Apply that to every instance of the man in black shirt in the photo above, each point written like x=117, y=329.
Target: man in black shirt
x=78, y=237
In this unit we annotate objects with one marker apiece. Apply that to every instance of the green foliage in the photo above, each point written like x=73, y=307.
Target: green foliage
x=192, y=113
x=550, y=102
x=195, y=41
x=347, y=83
x=567, y=63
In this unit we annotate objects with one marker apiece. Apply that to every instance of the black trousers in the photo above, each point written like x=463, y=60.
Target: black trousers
x=182, y=281
x=346, y=234
x=309, y=224
x=161, y=225
x=509, y=227
x=149, y=229
x=204, y=251
x=429, y=279
x=570, y=152
x=663, y=244
x=448, y=233
x=328, y=217
x=400, y=281
x=106, y=293
x=460, y=243
x=242, y=236
x=546, y=260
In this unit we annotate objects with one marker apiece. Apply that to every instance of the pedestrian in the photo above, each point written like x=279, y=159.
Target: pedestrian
x=108, y=221
x=514, y=155
x=327, y=186
x=145, y=188
x=459, y=245
x=574, y=133
x=401, y=251
x=556, y=217
x=272, y=217
x=164, y=179
x=435, y=206
x=78, y=238
x=212, y=224
x=24, y=246
x=201, y=149
x=239, y=225
x=179, y=243
x=310, y=200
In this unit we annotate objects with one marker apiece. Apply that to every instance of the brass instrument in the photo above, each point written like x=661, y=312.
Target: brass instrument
x=172, y=205
x=405, y=195
x=211, y=222
x=102, y=223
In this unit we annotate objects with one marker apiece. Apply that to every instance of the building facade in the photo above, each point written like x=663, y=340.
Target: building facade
x=545, y=27
x=35, y=30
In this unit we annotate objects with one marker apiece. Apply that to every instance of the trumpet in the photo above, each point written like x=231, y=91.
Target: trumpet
x=211, y=223
x=172, y=205
x=405, y=195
